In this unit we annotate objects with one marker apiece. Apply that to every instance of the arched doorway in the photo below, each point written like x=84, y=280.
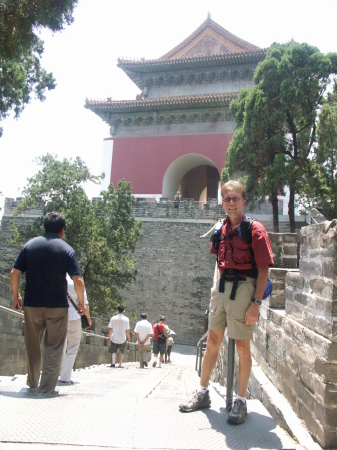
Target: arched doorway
x=194, y=175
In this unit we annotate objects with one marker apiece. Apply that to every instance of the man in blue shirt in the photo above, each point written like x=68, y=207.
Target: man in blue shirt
x=46, y=260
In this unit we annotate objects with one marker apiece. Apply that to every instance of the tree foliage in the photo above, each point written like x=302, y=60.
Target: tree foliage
x=277, y=123
x=103, y=232
x=21, y=73
x=255, y=152
x=326, y=157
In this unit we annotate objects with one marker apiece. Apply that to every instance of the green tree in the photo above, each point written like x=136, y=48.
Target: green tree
x=103, y=233
x=277, y=126
x=255, y=152
x=326, y=156
x=21, y=74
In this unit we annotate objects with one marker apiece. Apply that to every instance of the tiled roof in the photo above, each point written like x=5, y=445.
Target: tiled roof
x=224, y=36
x=156, y=65
x=165, y=103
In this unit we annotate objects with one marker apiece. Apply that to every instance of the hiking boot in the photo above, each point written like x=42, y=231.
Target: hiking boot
x=238, y=412
x=195, y=401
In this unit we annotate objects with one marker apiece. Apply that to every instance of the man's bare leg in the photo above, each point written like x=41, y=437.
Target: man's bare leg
x=211, y=355
x=239, y=408
x=200, y=398
x=121, y=358
x=245, y=365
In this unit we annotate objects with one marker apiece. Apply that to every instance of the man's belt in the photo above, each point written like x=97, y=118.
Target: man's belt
x=235, y=275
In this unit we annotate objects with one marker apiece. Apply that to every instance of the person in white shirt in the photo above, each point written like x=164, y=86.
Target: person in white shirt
x=74, y=333
x=119, y=331
x=143, y=330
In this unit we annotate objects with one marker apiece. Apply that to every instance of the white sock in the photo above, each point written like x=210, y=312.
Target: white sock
x=202, y=389
x=154, y=359
x=241, y=398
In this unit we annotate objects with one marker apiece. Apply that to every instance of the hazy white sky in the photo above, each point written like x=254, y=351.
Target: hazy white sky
x=83, y=60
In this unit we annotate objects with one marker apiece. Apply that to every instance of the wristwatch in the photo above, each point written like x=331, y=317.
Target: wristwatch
x=257, y=301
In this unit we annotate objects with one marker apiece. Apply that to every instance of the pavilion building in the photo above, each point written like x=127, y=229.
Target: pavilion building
x=175, y=134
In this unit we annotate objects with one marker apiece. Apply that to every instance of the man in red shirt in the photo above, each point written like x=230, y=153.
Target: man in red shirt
x=235, y=298
x=160, y=341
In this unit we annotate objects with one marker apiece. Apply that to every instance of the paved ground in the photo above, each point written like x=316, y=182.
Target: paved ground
x=130, y=408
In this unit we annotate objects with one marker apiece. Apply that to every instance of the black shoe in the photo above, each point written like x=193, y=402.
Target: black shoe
x=195, y=401
x=112, y=365
x=145, y=363
x=238, y=412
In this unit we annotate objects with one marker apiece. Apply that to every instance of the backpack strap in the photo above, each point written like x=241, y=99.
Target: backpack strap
x=245, y=231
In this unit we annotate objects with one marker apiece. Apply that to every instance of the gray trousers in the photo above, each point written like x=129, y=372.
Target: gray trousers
x=52, y=324
x=71, y=346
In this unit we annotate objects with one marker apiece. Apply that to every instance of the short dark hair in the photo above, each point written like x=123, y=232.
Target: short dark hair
x=54, y=222
x=120, y=308
x=143, y=315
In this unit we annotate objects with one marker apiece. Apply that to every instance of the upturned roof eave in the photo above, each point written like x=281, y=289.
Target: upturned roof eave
x=136, y=69
x=161, y=104
x=157, y=65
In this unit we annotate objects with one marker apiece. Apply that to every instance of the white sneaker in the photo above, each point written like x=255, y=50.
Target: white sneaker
x=159, y=365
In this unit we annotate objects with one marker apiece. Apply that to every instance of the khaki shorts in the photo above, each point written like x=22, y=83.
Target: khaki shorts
x=224, y=312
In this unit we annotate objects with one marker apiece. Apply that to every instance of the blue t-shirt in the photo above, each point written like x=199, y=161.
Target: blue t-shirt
x=46, y=260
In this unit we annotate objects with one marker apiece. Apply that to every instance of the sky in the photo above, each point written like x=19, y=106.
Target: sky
x=83, y=59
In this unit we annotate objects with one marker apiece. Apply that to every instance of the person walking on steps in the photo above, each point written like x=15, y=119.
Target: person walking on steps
x=239, y=284
x=119, y=332
x=160, y=341
x=46, y=260
x=143, y=330
x=74, y=334
x=170, y=346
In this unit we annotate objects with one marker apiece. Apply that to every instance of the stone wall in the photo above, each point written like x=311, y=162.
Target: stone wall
x=12, y=348
x=8, y=253
x=297, y=347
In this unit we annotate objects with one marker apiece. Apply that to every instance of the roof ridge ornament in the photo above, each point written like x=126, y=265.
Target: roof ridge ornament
x=209, y=15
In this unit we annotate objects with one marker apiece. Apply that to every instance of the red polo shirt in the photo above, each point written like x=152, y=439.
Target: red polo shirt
x=161, y=326
x=234, y=252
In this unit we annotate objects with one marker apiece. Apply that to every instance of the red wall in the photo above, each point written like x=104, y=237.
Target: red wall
x=143, y=161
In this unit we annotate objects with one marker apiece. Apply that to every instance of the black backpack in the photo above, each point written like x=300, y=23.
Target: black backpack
x=161, y=337
x=244, y=230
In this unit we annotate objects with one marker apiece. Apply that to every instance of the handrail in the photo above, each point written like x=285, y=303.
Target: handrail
x=86, y=333
x=230, y=373
x=12, y=311
x=198, y=361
